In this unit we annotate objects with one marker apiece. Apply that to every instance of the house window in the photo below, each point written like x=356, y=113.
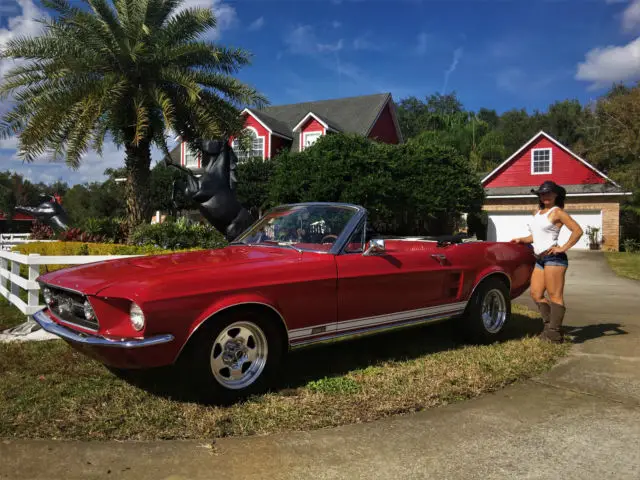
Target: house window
x=310, y=138
x=190, y=158
x=257, y=146
x=540, y=161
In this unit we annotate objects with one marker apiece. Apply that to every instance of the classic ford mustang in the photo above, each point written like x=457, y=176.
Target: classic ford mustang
x=302, y=274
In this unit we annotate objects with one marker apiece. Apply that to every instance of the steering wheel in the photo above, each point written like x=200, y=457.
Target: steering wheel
x=329, y=237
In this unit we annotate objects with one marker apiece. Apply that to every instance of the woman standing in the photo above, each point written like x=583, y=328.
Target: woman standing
x=551, y=258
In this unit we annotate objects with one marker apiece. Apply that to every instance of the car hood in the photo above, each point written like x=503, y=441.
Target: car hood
x=91, y=278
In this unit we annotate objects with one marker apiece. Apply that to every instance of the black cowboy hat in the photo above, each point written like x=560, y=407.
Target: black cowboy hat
x=548, y=187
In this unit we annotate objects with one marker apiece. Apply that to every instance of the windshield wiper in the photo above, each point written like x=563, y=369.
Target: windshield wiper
x=269, y=244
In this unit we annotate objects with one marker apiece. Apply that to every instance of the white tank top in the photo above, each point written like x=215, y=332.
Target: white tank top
x=545, y=234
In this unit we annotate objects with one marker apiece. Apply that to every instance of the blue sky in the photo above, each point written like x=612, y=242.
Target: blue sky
x=494, y=53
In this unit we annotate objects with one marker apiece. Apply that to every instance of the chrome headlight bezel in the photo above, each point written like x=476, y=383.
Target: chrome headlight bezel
x=136, y=317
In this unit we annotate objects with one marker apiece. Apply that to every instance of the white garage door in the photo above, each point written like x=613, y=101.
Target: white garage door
x=503, y=227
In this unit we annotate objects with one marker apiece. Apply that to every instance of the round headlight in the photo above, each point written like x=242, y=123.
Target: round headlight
x=137, y=317
x=89, y=314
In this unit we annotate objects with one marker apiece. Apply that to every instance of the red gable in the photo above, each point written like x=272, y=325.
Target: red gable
x=543, y=158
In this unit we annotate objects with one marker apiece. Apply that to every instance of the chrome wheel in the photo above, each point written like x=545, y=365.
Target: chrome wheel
x=494, y=311
x=239, y=355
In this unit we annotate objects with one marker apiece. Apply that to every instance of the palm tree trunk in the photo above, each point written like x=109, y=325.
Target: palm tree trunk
x=138, y=184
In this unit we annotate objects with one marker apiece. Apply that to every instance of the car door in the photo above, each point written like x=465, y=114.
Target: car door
x=398, y=285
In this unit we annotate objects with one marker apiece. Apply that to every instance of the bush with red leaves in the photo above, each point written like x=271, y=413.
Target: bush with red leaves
x=77, y=235
x=40, y=231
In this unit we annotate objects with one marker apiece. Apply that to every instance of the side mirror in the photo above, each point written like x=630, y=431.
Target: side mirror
x=376, y=247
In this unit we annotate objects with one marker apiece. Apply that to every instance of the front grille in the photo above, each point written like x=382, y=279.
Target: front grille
x=69, y=306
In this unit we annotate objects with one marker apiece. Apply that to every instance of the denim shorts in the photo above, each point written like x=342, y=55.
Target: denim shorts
x=553, y=260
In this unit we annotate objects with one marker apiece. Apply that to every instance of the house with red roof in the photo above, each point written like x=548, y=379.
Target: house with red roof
x=298, y=126
x=593, y=199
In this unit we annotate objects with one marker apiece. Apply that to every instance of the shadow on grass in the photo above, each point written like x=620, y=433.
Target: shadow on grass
x=338, y=358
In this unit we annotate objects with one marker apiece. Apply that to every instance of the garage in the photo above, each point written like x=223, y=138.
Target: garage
x=503, y=226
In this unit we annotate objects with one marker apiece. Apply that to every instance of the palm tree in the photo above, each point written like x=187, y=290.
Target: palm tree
x=128, y=70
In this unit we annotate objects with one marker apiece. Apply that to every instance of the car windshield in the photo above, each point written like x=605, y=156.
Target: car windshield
x=304, y=227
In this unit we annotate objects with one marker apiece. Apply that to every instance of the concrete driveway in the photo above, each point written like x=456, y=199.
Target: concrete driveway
x=579, y=421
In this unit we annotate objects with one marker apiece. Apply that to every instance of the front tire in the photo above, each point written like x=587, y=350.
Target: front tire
x=234, y=355
x=488, y=312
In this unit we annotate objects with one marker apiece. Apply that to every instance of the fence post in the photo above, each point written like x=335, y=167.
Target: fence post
x=4, y=263
x=33, y=298
x=15, y=269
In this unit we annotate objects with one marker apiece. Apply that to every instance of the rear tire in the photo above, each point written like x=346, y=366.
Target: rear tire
x=488, y=312
x=233, y=355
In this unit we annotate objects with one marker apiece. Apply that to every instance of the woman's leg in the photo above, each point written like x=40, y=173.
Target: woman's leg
x=554, y=277
x=537, y=290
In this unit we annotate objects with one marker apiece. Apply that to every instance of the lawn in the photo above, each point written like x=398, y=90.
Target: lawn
x=625, y=264
x=48, y=390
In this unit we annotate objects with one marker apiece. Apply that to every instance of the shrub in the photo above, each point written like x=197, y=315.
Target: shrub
x=414, y=188
x=80, y=248
x=112, y=230
x=77, y=235
x=40, y=231
x=630, y=245
x=178, y=234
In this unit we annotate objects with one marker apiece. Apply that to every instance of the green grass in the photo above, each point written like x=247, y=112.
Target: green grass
x=48, y=390
x=10, y=316
x=625, y=264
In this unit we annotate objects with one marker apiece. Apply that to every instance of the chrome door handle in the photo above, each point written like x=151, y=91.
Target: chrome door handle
x=440, y=257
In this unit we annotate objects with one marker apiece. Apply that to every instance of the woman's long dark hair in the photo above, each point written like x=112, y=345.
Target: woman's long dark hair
x=559, y=201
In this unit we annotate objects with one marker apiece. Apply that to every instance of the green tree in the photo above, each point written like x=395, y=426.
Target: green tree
x=254, y=175
x=126, y=69
x=414, y=188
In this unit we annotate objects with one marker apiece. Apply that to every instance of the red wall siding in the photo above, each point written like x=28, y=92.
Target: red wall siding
x=565, y=169
x=262, y=132
x=277, y=144
x=384, y=129
x=312, y=125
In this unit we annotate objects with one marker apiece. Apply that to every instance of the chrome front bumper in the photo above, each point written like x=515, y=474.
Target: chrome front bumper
x=96, y=340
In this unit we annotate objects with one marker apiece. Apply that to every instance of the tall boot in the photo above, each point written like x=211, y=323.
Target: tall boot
x=545, y=312
x=554, y=330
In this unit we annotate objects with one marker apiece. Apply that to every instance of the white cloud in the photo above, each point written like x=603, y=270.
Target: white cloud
x=257, y=24
x=517, y=81
x=606, y=65
x=457, y=55
x=363, y=42
x=91, y=170
x=422, y=43
x=225, y=14
x=336, y=24
x=631, y=16
x=303, y=40
x=24, y=23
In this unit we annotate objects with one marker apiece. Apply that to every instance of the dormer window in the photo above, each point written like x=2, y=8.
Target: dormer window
x=309, y=138
x=541, y=159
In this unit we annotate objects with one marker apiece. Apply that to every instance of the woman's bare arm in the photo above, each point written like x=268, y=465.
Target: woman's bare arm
x=572, y=225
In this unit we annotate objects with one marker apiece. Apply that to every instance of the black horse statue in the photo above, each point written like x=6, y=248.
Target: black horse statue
x=214, y=191
x=49, y=212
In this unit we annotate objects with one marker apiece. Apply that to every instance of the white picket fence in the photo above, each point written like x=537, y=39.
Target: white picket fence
x=11, y=282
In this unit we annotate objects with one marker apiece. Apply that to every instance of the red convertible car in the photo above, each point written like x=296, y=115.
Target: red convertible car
x=302, y=274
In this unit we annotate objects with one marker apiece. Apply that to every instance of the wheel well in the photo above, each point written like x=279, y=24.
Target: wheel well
x=503, y=277
x=261, y=309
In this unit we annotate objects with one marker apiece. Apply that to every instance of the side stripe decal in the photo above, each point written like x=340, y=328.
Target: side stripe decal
x=451, y=309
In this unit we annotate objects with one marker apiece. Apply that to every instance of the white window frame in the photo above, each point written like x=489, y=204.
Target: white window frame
x=533, y=150
x=246, y=155
x=317, y=134
x=189, y=155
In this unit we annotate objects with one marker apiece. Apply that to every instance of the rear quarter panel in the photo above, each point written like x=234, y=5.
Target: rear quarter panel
x=477, y=260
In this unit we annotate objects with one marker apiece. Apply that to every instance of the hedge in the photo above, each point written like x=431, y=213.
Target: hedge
x=80, y=248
